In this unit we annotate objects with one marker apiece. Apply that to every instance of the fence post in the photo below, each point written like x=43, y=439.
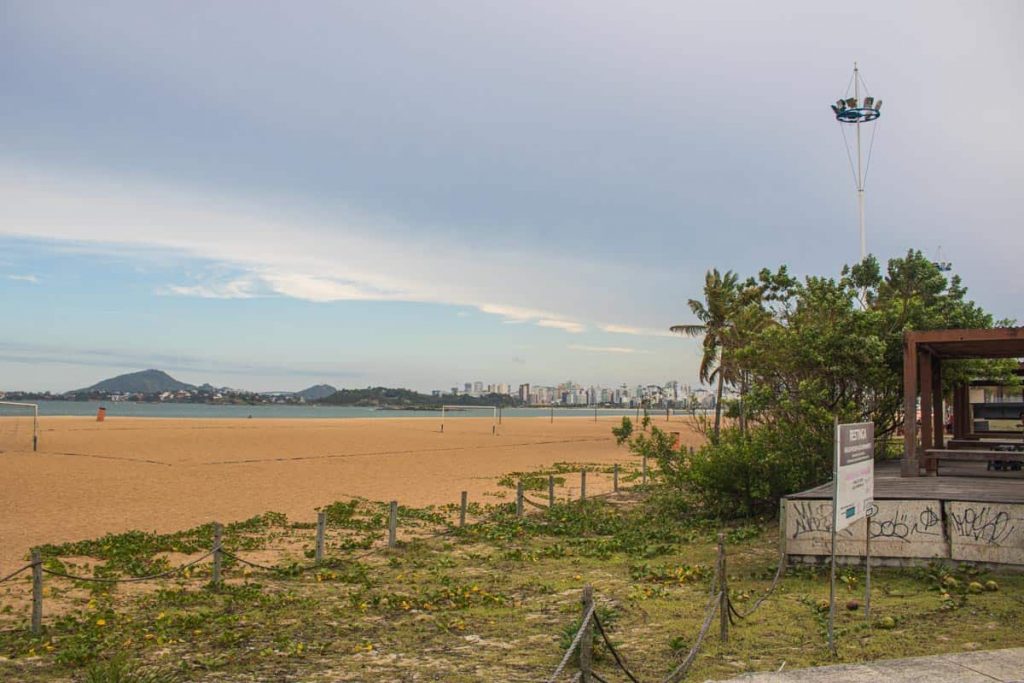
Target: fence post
x=462, y=508
x=519, y=499
x=615, y=478
x=218, y=536
x=393, y=524
x=723, y=586
x=782, y=530
x=587, y=641
x=644, y=468
x=321, y=529
x=551, y=490
x=583, y=485
x=37, y=592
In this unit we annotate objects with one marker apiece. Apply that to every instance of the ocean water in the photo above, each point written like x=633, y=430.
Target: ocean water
x=135, y=409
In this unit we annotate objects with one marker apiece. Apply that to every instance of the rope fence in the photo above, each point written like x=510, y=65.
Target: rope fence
x=590, y=624
x=719, y=603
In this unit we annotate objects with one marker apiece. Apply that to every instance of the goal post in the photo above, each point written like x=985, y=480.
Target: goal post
x=445, y=409
x=13, y=415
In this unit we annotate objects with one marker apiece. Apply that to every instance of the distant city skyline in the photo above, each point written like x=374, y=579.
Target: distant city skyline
x=408, y=194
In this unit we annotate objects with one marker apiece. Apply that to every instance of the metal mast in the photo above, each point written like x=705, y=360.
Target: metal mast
x=860, y=170
x=852, y=110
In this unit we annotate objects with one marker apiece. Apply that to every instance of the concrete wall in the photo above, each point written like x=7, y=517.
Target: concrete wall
x=924, y=529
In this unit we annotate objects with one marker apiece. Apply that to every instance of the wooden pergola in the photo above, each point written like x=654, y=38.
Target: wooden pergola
x=923, y=354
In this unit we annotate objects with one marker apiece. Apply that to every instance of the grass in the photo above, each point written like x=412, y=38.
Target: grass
x=497, y=600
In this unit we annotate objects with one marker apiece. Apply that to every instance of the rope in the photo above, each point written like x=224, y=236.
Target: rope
x=679, y=672
x=254, y=564
x=134, y=579
x=771, y=589
x=13, y=574
x=572, y=647
x=611, y=648
x=534, y=504
x=600, y=679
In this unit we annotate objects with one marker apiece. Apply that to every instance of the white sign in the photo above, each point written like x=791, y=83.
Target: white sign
x=854, y=472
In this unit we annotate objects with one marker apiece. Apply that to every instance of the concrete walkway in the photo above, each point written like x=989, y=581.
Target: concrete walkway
x=1004, y=666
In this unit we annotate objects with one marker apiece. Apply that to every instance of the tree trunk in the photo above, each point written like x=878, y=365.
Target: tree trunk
x=718, y=406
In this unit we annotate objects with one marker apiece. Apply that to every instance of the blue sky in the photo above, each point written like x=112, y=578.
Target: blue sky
x=268, y=195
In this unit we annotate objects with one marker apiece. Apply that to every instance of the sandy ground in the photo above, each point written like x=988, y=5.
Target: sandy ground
x=90, y=478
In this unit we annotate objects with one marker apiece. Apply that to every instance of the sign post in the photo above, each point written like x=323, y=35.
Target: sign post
x=853, y=482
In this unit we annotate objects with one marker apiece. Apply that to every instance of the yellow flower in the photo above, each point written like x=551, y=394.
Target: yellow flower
x=161, y=616
x=577, y=577
x=101, y=622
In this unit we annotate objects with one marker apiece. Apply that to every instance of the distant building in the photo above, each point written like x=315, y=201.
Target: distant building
x=524, y=393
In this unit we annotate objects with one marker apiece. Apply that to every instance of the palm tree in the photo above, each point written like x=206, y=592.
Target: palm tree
x=715, y=314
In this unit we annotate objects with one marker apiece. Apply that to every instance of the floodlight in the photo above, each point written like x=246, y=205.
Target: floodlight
x=851, y=102
x=869, y=102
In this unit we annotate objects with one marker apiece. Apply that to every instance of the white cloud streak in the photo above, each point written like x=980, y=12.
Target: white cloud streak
x=293, y=254
x=31, y=279
x=605, y=349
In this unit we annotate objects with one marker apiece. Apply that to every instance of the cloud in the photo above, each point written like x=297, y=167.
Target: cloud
x=245, y=287
x=567, y=325
x=605, y=349
x=273, y=251
x=636, y=331
x=24, y=278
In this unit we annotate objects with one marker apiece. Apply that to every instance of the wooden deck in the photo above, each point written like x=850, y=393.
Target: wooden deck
x=967, y=482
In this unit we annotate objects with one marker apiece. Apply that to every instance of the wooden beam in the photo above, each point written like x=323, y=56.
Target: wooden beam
x=924, y=371
x=908, y=466
x=938, y=414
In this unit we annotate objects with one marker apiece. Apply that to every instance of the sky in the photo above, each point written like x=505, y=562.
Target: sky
x=269, y=195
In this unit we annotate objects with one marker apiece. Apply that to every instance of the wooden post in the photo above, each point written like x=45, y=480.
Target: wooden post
x=723, y=586
x=37, y=592
x=939, y=438
x=782, y=530
x=583, y=485
x=587, y=641
x=644, y=468
x=867, y=569
x=462, y=508
x=551, y=490
x=321, y=528
x=615, y=478
x=909, y=465
x=218, y=538
x=924, y=371
x=519, y=499
x=552, y=414
x=393, y=524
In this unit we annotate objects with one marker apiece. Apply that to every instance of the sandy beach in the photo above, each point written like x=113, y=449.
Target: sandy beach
x=90, y=478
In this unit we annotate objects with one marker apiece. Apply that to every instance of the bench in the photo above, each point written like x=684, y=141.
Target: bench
x=1000, y=461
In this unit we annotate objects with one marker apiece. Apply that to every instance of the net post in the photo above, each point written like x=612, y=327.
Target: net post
x=462, y=508
x=35, y=428
x=644, y=469
x=321, y=528
x=37, y=592
x=583, y=485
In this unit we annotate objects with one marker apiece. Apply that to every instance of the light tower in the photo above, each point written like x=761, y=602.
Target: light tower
x=852, y=111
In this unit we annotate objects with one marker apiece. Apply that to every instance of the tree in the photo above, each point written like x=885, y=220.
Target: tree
x=715, y=314
x=806, y=352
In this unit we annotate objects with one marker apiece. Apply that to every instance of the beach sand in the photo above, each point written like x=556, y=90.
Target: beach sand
x=90, y=478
